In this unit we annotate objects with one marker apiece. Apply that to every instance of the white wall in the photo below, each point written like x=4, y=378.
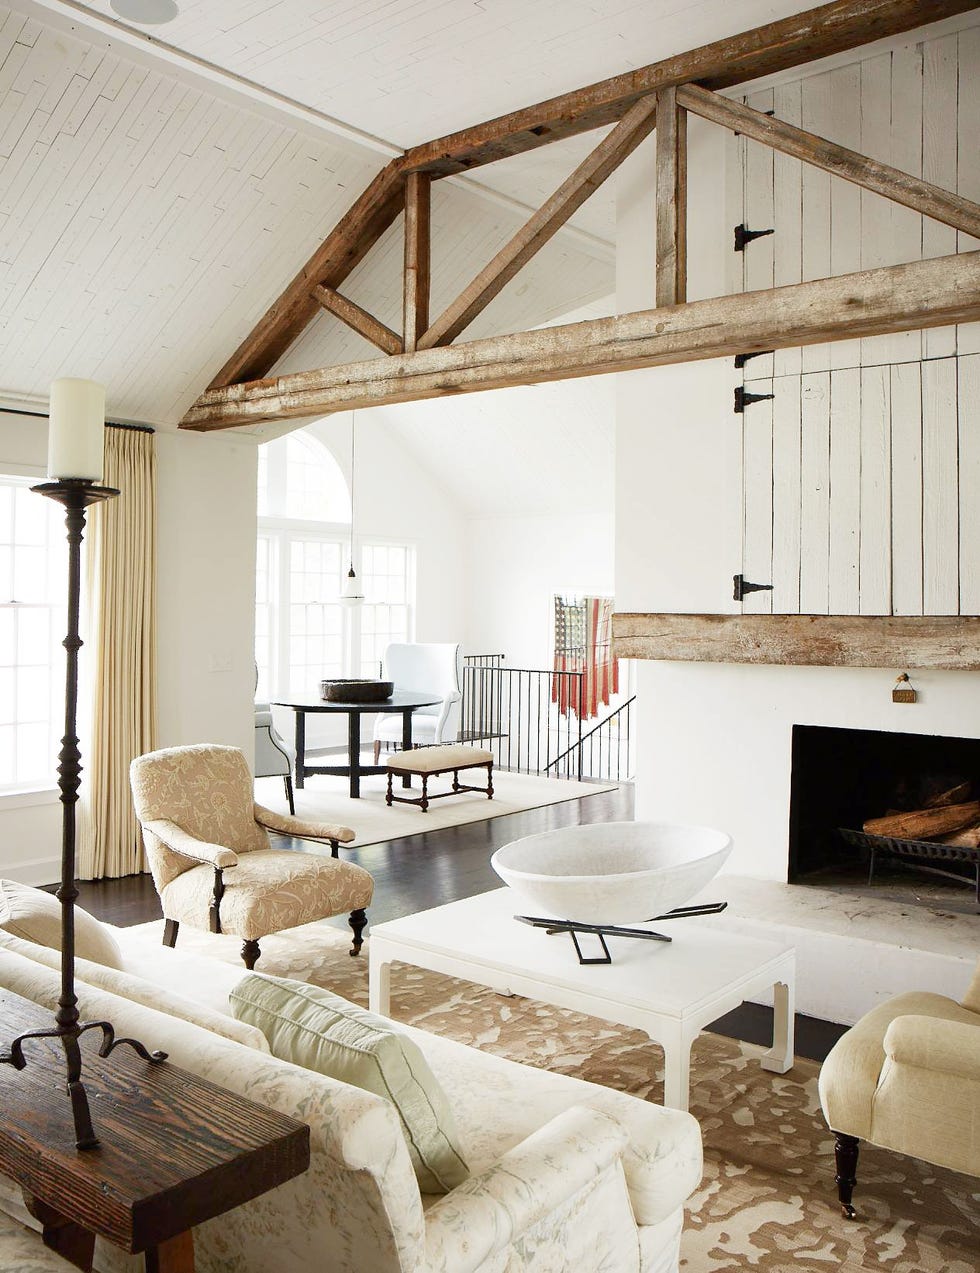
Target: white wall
x=206, y=527
x=517, y=565
x=205, y=595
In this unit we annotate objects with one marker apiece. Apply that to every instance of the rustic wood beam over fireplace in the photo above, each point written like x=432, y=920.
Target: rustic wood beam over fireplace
x=817, y=640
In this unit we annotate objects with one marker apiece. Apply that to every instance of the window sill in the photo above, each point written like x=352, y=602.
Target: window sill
x=28, y=798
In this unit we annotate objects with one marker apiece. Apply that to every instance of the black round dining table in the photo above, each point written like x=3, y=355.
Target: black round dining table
x=401, y=702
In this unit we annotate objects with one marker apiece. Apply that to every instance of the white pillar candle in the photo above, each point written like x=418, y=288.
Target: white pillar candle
x=76, y=429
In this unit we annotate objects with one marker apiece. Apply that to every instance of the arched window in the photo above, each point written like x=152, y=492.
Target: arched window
x=302, y=632
x=300, y=480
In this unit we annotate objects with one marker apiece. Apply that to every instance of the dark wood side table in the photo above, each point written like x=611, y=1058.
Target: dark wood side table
x=175, y=1150
x=402, y=703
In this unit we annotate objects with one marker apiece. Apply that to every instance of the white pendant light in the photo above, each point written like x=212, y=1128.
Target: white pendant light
x=148, y=13
x=352, y=593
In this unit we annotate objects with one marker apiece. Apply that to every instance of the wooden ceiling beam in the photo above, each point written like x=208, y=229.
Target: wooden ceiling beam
x=901, y=187
x=636, y=124
x=671, y=200
x=359, y=320
x=344, y=247
x=895, y=298
x=418, y=257
x=778, y=46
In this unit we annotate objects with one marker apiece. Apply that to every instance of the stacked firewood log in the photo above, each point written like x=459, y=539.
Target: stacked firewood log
x=947, y=817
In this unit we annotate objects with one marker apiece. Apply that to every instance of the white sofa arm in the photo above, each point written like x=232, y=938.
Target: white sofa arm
x=487, y=1212
x=181, y=841
x=928, y=1043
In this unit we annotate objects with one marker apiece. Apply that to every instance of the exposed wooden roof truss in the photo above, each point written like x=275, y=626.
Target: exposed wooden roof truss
x=423, y=362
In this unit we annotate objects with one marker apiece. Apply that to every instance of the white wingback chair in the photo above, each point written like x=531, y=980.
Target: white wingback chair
x=425, y=668
x=274, y=757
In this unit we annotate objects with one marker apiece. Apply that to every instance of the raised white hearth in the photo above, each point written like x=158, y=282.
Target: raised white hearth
x=716, y=748
x=851, y=952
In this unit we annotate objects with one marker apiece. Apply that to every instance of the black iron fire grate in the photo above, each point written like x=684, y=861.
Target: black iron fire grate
x=918, y=853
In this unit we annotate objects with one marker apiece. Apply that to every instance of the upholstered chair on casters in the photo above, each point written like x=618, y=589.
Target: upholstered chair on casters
x=907, y=1078
x=207, y=842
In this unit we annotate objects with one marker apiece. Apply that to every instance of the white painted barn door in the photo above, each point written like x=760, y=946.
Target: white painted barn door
x=860, y=473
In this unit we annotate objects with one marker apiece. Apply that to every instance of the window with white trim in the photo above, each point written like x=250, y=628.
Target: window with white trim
x=33, y=575
x=388, y=574
x=303, y=632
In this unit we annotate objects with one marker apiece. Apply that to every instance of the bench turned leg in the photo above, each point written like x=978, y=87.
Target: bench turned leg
x=455, y=780
x=425, y=793
x=490, y=780
x=390, y=797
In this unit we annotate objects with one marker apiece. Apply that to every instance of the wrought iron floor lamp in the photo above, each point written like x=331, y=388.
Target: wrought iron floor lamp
x=76, y=494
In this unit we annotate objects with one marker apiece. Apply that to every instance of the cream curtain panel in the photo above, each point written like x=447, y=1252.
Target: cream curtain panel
x=120, y=646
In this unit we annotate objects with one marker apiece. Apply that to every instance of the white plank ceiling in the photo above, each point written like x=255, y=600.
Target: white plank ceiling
x=146, y=223
x=407, y=71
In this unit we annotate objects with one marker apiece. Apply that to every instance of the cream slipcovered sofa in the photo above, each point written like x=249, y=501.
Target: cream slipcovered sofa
x=907, y=1078
x=565, y=1175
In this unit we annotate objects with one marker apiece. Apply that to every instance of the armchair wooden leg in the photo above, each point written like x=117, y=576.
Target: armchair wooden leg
x=250, y=954
x=846, y=1154
x=357, y=921
x=288, y=779
x=170, y=927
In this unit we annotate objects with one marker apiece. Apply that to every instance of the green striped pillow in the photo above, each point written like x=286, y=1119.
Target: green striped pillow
x=320, y=1031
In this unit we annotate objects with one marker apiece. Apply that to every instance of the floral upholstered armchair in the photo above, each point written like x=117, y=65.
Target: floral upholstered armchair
x=207, y=842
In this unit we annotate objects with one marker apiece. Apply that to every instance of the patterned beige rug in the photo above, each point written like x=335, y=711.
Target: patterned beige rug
x=767, y=1201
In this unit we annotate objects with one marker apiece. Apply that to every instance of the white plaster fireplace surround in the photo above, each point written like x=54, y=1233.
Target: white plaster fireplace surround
x=716, y=739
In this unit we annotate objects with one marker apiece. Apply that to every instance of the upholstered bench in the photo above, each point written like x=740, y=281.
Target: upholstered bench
x=426, y=762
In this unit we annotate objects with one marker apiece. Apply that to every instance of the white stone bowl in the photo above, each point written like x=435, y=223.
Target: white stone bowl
x=613, y=872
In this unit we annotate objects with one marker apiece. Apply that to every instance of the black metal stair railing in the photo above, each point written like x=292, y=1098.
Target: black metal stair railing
x=531, y=720
x=604, y=752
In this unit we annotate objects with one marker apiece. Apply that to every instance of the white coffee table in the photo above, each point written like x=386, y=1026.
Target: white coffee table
x=669, y=991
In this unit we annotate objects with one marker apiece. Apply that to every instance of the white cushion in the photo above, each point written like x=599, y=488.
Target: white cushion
x=427, y=760
x=130, y=986
x=35, y=916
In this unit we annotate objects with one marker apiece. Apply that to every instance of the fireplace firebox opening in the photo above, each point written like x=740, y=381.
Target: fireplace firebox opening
x=920, y=793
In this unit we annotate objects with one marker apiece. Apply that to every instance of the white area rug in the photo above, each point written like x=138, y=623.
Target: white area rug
x=325, y=799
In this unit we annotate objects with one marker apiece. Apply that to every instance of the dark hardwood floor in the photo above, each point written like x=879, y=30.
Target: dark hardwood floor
x=418, y=871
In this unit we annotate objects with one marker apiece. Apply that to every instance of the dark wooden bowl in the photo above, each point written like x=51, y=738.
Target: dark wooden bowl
x=355, y=691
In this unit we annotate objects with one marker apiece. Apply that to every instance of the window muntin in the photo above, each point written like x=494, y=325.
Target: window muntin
x=33, y=572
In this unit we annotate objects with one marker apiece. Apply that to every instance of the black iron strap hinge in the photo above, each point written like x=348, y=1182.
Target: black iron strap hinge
x=743, y=587
x=744, y=236
x=745, y=399
x=742, y=359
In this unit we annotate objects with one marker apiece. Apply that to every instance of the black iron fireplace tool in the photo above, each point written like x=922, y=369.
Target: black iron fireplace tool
x=602, y=931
